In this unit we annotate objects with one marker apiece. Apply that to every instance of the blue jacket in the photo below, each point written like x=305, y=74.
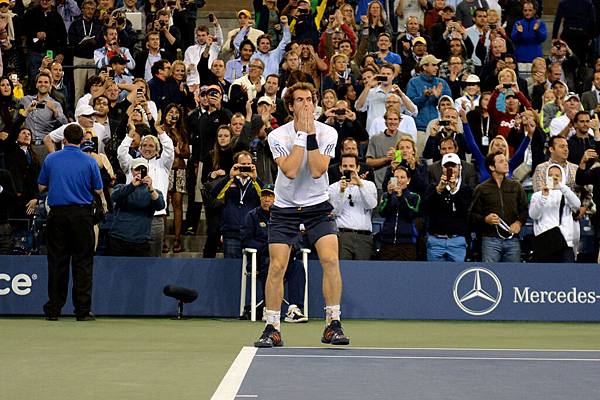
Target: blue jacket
x=255, y=230
x=238, y=200
x=399, y=213
x=528, y=44
x=427, y=104
x=134, y=210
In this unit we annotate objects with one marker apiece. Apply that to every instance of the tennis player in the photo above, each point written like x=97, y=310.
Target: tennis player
x=302, y=150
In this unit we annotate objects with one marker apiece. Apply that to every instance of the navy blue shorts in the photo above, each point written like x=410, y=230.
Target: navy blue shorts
x=318, y=221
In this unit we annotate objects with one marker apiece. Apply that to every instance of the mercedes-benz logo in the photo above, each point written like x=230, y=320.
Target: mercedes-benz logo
x=482, y=296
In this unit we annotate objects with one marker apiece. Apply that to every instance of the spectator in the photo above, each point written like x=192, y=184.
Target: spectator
x=587, y=136
x=566, y=62
x=552, y=207
x=586, y=175
x=591, y=99
x=504, y=121
x=332, y=37
x=245, y=20
x=466, y=10
x=578, y=18
x=146, y=58
x=562, y=125
x=471, y=94
x=163, y=89
x=373, y=97
x=175, y=128
x=130, y=6
x=42, y=113
x=339, y=73
x=214, y=75
x=160, y=155
x=254, y=234
x=271, y=89
x=101, y=205
x=407, y=122
x=103, y=55
x=84, y=35
x=447, y=126
x=559, y=154
x=68, y=10
x=468, y=174
x=193, y=53
x=400, y=207
x=71, y=178
x=381, y=152
x=247, y=87
x=528, y=35
x=411, y=58
x=447, y=204
x=177, y=75
x=497, y=145
x=344, y=121
x=477, y=37
x=305, y=24
x=350, y=146
x=405, y=153
x=239, y=67
x=24, y=166
x=311, y=64
x=498, y=212
x=170, y=35
x=135, y=205
x=353, y=199
x=270, y=58
x=239, y=192
x=480, y=123
x=259, y=148
x=120, y=75
x=373, y=24
x=425, y=90
x=45, y=30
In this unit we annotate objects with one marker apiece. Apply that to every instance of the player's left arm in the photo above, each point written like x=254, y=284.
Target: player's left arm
x=318, y=159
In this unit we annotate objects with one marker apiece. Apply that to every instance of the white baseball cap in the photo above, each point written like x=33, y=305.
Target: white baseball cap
x=450, y=158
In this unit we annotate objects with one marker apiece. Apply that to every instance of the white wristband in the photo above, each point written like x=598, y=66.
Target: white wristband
x=300, y=139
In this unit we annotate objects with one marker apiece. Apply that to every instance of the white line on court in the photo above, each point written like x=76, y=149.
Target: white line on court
x=433, y=358
x=446, y=349
x=232, y=380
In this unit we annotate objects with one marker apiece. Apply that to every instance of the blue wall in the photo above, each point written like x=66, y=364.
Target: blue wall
x=372, y=290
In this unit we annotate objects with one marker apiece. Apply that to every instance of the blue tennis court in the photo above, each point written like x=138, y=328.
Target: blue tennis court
x=369, y=373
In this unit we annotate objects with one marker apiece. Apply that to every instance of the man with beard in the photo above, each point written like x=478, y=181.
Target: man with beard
x=239, y=67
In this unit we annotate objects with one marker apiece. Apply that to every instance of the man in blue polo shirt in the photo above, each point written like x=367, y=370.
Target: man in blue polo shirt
x=71, y=177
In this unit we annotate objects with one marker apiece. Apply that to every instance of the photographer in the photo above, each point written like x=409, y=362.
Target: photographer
x=135, y=205
x=170, y=36
x=353, y=200
x=447, y=126
x=372, y=99
x=238, y=193
x=344, y=121
x=103, y=55
x=447, y=204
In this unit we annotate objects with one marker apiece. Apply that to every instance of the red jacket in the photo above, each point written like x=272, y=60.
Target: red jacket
x=503, y=120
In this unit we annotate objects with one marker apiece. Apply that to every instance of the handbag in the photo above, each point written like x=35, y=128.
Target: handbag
x=549, y=243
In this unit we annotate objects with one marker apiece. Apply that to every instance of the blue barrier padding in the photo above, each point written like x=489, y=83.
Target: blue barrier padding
x=372, y=289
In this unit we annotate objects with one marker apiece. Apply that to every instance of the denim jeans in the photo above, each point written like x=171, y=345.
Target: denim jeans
x=232, y=248
x=494, y=249
x=440, y=249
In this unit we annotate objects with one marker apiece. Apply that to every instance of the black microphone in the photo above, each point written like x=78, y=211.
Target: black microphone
x=180, y=293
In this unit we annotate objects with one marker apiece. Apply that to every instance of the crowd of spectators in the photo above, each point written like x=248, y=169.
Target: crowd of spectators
x=460, y=122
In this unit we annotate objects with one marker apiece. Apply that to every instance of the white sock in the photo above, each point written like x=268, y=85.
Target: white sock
x=274, y=318
x=332, y=313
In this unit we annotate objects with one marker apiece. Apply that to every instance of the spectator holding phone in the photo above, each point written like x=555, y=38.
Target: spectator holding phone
x=552, y=207
x=135, y=204
x=103, y=55
x=237, y=194
x=353, y=200
x=447, y=205
x=400, y=207
x=344, y=121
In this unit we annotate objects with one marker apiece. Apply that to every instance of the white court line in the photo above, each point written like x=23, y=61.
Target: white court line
x=232, y=380
x=443, y=348
x=251, y=396
x=433, y=358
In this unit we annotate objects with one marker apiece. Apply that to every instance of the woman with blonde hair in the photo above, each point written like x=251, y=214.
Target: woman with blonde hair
x=339, y=73
x=348, y=15
x=376, y=22
x=328, y=101
x=179, y=74
x=405, y=156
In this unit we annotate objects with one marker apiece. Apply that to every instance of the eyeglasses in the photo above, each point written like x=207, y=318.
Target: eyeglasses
x=350, y=200
x=455, y=63
x=256, y=66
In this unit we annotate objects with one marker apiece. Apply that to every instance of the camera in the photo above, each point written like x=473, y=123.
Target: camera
x=347, y=175
x=444, y=122
x=493, y=26
x=507, y=85
x=340, y=111
x=162, y=24
x=121, y=20
x=245, y=168
x=213, y=92
x=211, y=17
x=40, y=105
x=381, y=78
x=174, y=117
x=111, y=73
x=302, y=11
x=143, y=171
x=140, y=92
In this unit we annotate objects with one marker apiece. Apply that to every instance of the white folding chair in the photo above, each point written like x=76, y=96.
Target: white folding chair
x=253, y=274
